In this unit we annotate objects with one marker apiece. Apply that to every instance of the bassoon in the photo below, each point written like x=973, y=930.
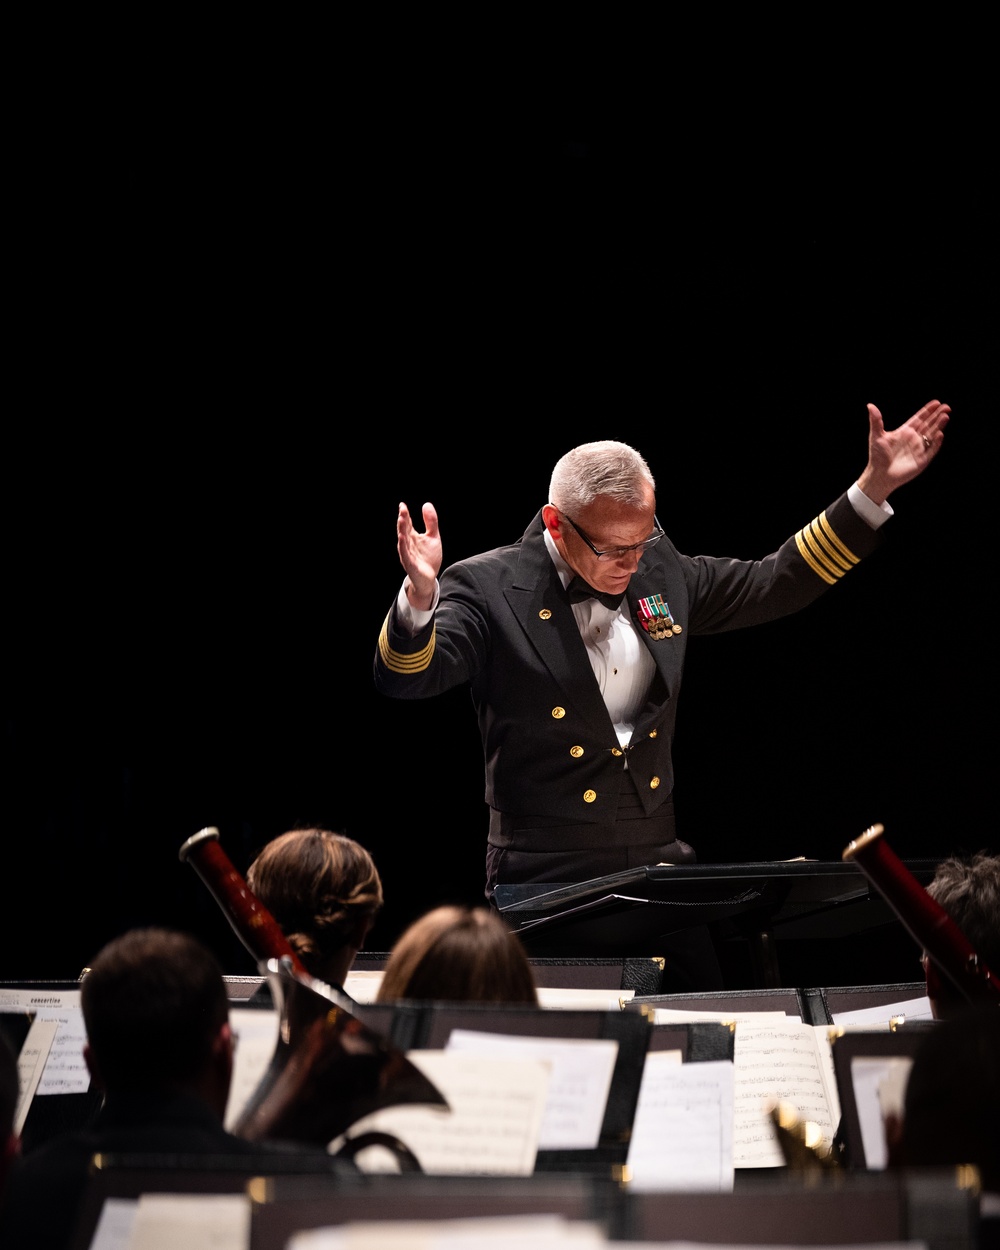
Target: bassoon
x=924, y=918
x=253, y=924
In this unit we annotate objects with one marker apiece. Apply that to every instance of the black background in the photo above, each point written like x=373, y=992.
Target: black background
x=248, y=325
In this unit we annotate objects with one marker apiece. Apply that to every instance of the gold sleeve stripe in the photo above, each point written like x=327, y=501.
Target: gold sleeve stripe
x=828, y=532
x=399, y=661
x=826, y=553
x=823, y=551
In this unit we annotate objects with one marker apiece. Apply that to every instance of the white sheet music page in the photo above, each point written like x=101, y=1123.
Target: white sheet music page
x=780, y=1062
x=567, y=998
x=871, y=1017
x=582, y=1069
x=492, y=1123
x=526, y=1232
x=115, y=1223
x=194, y=1221
x=362, y=984
x=256, y=1034
x=738, y=1245
x=676, y=1015
x=682, y=1134
x=31, y=1063
x=65, y=1070
x=879, y=1084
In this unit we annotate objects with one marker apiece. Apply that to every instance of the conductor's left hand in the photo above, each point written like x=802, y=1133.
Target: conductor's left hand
x=897, y=456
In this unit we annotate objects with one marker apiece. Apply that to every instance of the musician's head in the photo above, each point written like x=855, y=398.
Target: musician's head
x=157, y=1017
x=460, y=954
x=969, y=891
x=324, y=891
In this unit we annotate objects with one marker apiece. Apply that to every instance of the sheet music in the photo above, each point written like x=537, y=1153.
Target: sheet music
x=675, y=1015
x=536, y=1232
x=578, y=1091
x=682, y=1134
x=31, y=1064
x=910, y=1009
x=775, y=1062
x=526, y=1232
x=256, y=1033
x=879, y=1083
x=565, y=998
x=114, y=1225
x=493, y=1120
x=65, y=1070
x=194, y=1221
x=734, y=1245
x=362, y=984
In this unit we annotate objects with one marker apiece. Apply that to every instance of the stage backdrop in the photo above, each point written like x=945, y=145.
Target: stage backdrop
x=201, y=550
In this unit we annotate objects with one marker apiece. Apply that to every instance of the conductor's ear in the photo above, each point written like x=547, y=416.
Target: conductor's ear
x=552, y=519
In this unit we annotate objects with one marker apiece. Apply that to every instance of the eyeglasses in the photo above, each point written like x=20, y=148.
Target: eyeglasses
x=617, y=553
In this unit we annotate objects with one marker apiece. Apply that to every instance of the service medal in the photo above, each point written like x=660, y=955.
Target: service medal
x=654, y=616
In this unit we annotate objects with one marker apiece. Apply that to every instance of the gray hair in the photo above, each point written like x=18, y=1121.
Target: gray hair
x=603, y=468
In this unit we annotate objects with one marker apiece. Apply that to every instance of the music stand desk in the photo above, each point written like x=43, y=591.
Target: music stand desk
x=626, y=913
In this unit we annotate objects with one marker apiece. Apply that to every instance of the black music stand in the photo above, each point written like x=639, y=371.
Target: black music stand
x=877, y=1046
x=627, y=913
x=416, y=1025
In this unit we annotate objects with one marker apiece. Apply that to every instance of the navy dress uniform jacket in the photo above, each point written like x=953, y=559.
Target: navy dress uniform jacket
x=505, y=626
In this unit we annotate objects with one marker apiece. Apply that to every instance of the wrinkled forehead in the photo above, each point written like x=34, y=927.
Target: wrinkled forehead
x=617, y=524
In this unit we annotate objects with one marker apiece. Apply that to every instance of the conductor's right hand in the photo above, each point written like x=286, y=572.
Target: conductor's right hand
x=419, y=554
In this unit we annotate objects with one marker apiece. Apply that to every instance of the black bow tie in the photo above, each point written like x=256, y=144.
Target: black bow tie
x=578, y=590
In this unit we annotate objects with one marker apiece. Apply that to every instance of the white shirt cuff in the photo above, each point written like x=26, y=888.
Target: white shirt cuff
x=413, y=618
x=875, y=514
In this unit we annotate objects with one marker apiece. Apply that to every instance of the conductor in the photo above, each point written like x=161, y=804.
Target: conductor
x=572, y=641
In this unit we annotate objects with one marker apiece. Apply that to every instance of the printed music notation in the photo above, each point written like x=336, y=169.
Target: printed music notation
x=65, y=1071
x=780, y=1061
x=776, y=1058
x=582, y=1070
x=491, y=1125
x=682, y=1135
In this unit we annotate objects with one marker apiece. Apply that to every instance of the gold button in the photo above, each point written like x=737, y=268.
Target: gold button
x=545, y=614
x=615, y=751
x=653, y=733
x=589, y=796
x=558, y=712
x=576, y=752
x=653, y=782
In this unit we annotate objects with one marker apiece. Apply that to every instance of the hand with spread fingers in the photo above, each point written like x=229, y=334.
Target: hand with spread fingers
x=419, y=554
x=898, y=456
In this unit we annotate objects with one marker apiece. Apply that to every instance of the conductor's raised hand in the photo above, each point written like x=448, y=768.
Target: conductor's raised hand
x=897, y=456
x=420, y=554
